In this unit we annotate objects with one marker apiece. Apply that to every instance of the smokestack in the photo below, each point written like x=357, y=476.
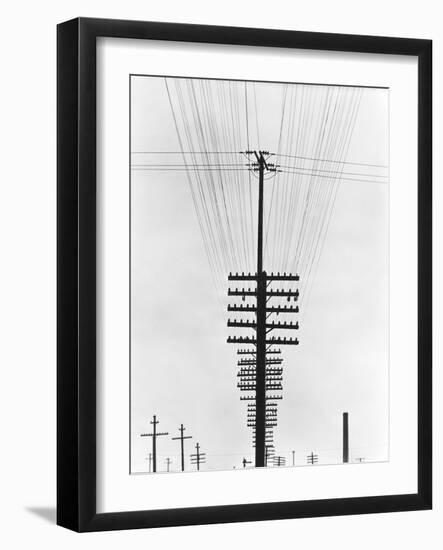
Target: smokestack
x=345, y=438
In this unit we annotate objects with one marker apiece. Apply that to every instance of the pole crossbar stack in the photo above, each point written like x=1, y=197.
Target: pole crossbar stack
x=198, y=457
x=258, y=373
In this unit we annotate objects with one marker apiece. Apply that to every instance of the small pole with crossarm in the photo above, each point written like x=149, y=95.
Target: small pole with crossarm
x=198, y=457
x=149, y=459
x=182, y=438
x=154, y=436
x=279, y=461
x=312, y=458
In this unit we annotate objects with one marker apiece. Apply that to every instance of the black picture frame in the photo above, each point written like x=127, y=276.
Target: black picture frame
x=76, y=278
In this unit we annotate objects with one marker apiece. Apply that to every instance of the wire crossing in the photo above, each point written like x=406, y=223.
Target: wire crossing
x=310, y=133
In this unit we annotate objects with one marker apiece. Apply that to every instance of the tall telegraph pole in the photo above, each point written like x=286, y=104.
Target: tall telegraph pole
x=260, y=398
x=263, y=377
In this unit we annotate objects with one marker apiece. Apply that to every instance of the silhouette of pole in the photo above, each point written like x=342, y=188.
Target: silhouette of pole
x=345, y=437
x=268, y=453
x=149, y=459
x=154, y=436
x=279, y=461
x=312, y=458
x=198, y=457
x=168, y=463
x=260, y=395
x=182, y=439
x=257, y=373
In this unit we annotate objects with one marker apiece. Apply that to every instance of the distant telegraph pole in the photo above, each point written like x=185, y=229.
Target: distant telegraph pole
x=149, y=459
x=168, y=463
x=293, y=458
x=182, y=438
x=345, y=437
x=154, y=436
x=246, y=462
x=269, y=453
x=198, y=457
x=279, y=461
x=312, y=458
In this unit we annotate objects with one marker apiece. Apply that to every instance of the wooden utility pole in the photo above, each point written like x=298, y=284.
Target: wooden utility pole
x=149, y=459
x=269, y=453
x=279, y=461
x=182, y=438
x=198, y=458
x=261, y=379
x=260, y=382
x=154, y=436
x=168, y=463
x=312, y=458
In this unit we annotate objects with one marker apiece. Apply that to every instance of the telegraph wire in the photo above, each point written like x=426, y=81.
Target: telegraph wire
x=312, y=136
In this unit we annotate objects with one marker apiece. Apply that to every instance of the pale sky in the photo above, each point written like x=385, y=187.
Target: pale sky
x=183, y=370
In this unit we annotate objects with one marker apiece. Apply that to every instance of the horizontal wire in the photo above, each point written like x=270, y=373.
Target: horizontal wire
x=331, y=171
x=186, y=152
x=188, y=168
x=218, y=169
x=210, y=165
x=334, y=178
x=241, y=153
x=333, y=161
x=308, y=170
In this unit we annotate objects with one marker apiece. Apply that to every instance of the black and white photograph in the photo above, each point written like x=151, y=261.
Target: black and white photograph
x=221, y=262
x=259, y=274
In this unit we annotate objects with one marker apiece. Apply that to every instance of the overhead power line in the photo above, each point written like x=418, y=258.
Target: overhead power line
x=333, y=161
x=216, y=123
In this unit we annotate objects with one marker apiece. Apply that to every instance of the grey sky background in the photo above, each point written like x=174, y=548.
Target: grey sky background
x=183, y=370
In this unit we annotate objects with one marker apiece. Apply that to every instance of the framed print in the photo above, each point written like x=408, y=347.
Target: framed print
x=244, y=274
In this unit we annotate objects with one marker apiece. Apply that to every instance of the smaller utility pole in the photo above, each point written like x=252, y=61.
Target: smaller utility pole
x=182, y=438
x=168, y=463
x=345, y=437
x=198, y=457
x=246, y=462
x=293, y=458
x=154, y=436
x=312, y=458
x=269, y=453
x=149, y=459
x=279, y=461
